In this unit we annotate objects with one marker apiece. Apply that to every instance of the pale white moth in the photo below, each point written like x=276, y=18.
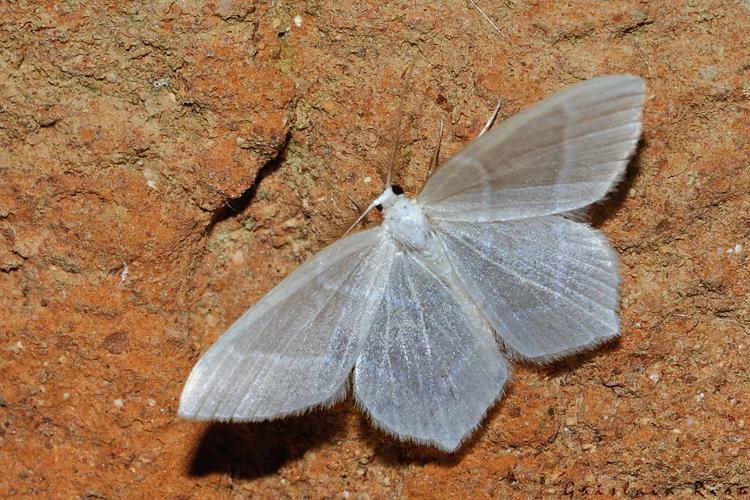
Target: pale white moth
x=423, y=311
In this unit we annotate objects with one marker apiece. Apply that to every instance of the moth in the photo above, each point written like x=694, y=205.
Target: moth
x=423, y=312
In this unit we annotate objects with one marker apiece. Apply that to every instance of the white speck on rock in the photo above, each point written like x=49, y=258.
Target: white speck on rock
x=15, y=348
x=238, y=257
x=161, y=83
x=151, y=178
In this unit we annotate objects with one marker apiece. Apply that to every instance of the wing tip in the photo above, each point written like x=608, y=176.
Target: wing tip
x=190, y=415
x=633, y=82
x=186, y=413
x=194, y=408
x=449, y=444
x=190, y=409
x=547, y=358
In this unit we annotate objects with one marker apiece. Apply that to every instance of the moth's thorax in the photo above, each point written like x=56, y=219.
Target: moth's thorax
x=406, y=223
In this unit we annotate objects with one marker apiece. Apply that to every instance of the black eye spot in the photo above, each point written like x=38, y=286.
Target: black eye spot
x=379, y=208
x=397, y=189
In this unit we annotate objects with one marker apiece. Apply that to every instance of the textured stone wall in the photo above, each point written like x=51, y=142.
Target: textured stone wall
x=163, y=164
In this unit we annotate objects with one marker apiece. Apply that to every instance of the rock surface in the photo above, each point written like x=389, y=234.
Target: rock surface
x=164, y=164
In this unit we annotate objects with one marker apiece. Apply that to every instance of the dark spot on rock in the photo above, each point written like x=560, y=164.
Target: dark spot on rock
x=689, y=378
x=116, y=342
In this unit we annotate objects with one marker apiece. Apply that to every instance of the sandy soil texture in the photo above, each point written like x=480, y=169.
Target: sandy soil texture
x=163, y=164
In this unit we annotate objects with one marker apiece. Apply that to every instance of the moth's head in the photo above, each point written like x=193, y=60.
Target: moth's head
x=387, y=199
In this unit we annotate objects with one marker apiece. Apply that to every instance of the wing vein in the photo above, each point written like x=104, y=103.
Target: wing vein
x=534, y=284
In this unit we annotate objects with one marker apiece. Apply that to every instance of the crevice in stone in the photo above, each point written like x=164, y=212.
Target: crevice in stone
x=234, y=206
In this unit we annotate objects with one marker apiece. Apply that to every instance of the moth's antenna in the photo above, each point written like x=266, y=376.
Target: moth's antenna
x=436, y=154
x=485, y=16
x=394, y=152
x=360, y=217
x=388, y=193
x=491, y=119
x=356, y=206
